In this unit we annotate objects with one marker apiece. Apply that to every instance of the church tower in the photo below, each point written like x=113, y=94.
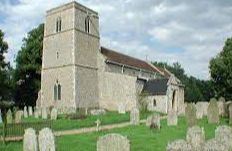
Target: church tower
x=70, y=49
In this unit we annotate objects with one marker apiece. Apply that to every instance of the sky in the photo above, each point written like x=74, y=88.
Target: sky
x=190, y=32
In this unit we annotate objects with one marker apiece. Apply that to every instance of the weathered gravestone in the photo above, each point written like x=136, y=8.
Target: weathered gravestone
x=153, y=121
x=222, y=106
x=230, y=113
x=44, y=113
x=134, y=116
x=46, y=140
x=30, y=140
x=18, y=116
x=179, y=145
x=199, y=110
x=30, y=111
x=195, y=137
x=9, y=117
x=214, y=145
x=190, y=115
x=224, y=136
x=54, y=113
x=113, y=142
x=172, y=118
x=25, y=113
x=121, y=108
x=213, y=111
x=227, y=105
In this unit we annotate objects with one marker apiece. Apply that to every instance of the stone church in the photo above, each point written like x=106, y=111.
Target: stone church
x=77, y=72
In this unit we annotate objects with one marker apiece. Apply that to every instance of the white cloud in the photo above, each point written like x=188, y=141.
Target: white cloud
x=190, y=32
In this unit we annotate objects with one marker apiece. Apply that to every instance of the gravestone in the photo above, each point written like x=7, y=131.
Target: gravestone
x=44, y=113
x=227, y=105
x=214, y=145
x=213, y=111
x=30, y=140
x=98, y=123
x=39, y=111
x=30, y=111
x=153, y=121
x=121, y=108
x=54, y=114
x=199, y=110
x=178, y=145
x=222, y=106
x=113, y=142
x=18, y=116
x=224, y=135
x=36, y=115
x=46, y=140
x=25, y=113
x=0, y=116
x=9, y=117
x=172, y=118
x=190, y=115
x=196, y=137
x=134, y=116
x=230, y=113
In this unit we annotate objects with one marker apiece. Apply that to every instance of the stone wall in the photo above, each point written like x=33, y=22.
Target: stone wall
x=161, y=103
x=115, y=89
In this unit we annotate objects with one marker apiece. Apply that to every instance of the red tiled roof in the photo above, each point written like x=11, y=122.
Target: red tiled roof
x=126, y=60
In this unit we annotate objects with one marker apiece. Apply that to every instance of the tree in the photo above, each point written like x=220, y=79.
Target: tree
x=221, y=71
x=27, y=75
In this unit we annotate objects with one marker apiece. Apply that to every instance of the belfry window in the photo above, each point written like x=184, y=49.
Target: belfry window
x=58, y=24
x=87, y=24
x=57, y=91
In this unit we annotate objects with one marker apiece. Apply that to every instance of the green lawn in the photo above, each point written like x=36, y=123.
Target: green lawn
x=141, y=137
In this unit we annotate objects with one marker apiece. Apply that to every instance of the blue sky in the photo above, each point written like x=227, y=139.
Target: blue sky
x=188, y=31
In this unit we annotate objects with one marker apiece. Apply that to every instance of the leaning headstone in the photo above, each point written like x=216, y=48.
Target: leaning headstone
x=18, y=116
x=153, y=121
x=199, y=110
x=134, y=116
x=44, y=113
x=172, y=118
x=113, y=142
x=213, y=111
x=222, y=106
x=25, y=113
x=224, y=135
x=121, y=108
x=30, y=110
x=230, y=113
x=54, y=114
x=178, y=145
x=46, y=140
x=30, y=140
x=195, y=137
x=190, y=115
x=9, y=117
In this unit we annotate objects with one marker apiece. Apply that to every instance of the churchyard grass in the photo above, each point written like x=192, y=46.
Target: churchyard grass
x=141, y=137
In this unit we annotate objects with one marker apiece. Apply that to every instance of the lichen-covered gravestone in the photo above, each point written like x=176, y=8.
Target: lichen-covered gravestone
x=213, y=111
x=224, y=135
x=46, y=140
x=199, y=110
x=30, y=110
x=153, y=121
x=178, y=145
x=222, y=106
x=113, y=142
x=230, y=113
x=9, y=117
x=18, y=116
x=190, y=115
x=134, y=116
x=54, y=113
x=25, y=113
x=30, y=140
x=44, y=113
x=172, y=118
x=195, y=137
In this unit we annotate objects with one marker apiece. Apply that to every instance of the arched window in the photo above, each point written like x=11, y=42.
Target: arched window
x=57, y=91
x=154, y=102
x=58, y=24
x=87, y=24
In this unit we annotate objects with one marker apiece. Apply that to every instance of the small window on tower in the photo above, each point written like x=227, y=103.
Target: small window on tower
x=58, y=24
x=87, y=24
